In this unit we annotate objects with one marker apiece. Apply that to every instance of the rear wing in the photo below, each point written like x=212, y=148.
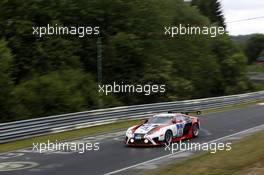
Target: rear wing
x=186, y=112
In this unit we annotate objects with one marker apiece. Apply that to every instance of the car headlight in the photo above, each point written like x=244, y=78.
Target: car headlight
x=129, y=133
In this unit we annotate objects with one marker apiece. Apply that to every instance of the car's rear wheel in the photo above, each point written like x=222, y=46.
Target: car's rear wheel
x=195, y=130
x=168, y=137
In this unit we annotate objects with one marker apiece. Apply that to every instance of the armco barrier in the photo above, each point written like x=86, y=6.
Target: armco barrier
x=33, y=127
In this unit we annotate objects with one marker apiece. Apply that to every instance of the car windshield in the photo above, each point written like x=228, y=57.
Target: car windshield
x=159, y=120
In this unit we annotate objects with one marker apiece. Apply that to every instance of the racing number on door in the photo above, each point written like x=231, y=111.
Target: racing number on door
x=179, y=127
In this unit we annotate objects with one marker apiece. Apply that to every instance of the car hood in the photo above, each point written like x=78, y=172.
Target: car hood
x=145, y=128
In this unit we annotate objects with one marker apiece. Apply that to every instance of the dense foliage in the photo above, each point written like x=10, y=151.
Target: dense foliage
x=255, y=47
x=212, y=9
x=58, y=74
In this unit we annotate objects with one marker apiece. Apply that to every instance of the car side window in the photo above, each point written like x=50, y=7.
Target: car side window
x=180, y=117
x=187, y=119
x=184, y=117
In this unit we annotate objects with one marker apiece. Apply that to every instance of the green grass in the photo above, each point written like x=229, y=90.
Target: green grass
x=94, y=130
x=259, y=86
x=245, y=158
x=232, y=107
x=67, y=135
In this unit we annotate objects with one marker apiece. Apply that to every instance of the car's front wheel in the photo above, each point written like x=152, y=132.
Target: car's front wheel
x=168, y=137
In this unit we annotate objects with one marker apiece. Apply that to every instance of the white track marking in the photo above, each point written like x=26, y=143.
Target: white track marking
x=14, y=166
x=10, y=155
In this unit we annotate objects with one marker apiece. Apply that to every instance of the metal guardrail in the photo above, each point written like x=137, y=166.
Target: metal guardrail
x=33, y=127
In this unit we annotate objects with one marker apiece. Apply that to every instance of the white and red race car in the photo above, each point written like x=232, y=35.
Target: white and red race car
x=163, y=128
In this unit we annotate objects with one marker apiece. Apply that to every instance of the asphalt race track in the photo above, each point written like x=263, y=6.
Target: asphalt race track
x=113, y=155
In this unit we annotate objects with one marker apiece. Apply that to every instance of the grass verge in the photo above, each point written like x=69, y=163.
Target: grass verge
x=232, y=107
x=94, y=130
x=245, y=158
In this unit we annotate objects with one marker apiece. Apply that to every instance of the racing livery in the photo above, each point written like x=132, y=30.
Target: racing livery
x=163, y=128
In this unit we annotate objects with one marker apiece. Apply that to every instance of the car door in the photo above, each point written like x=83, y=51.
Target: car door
x=188, y=124
x=179, y=124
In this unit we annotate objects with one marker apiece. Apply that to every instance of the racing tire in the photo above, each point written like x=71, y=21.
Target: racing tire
x=168, y=137
x=195, y=130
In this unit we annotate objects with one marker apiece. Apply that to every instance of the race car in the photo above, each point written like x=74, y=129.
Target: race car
x=163, y=128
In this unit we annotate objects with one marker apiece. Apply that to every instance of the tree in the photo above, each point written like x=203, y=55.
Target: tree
x=235, y=71
x=62, y=91
x=56, y=74
x=261, y=53
x=254, y=47
x=211, y=9
x=6, y=84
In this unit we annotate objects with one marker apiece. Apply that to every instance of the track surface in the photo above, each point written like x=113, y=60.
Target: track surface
x=113, y=155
